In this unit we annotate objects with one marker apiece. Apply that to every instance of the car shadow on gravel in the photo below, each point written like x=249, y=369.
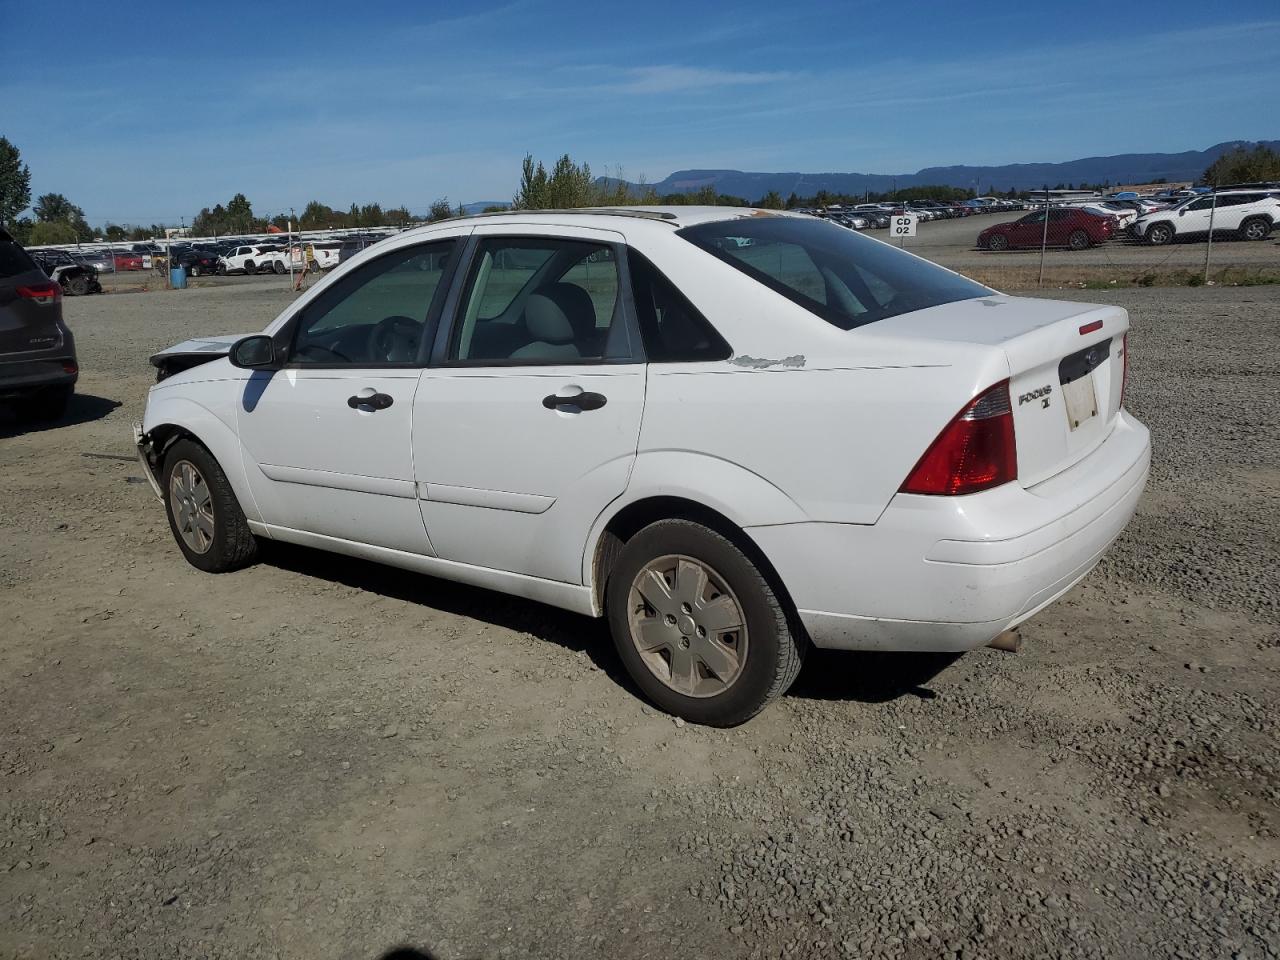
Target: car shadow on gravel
x=570, y=630
x=869, y=677
x=82, y=408
x=834, y=675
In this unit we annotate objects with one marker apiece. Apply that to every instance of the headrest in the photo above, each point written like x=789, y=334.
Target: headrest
x=546, y=321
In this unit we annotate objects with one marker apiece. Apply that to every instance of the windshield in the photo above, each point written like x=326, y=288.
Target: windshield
x=847, y=279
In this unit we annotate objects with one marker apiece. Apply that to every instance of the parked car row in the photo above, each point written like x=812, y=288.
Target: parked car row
x=870, y=216
x=1248, y=214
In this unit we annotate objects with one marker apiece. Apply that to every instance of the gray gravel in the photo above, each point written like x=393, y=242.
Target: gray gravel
x=322, y=758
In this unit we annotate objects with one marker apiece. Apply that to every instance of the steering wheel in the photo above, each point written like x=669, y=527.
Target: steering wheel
x=395, y=340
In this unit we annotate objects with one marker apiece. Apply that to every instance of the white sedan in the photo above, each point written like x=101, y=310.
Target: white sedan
x=734, y=433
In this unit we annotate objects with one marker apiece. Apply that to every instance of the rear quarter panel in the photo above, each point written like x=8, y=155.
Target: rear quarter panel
x=833, y=419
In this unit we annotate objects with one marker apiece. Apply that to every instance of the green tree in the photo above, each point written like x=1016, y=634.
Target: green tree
x=793, y=201
x=114, y=231
x=1241, y=165
x=440, y=210
x=495, y=208
x=396, y=216
x=771, y=201
x=55, y=208
x=21, y=230
x=240, y=213
x=15, y=182
x=532, y=194
x=52, y=231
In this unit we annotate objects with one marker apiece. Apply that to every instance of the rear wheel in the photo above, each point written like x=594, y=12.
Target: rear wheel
x=48, y=404
x=78, y=286
x=1255, y=228
x=278, y=267
x=698, y=627
x=1079, y=240
x=249, y=268
x=1159, y=234
x=314, y=266
x=195, y=269
x=204, y=515
x=997, y=241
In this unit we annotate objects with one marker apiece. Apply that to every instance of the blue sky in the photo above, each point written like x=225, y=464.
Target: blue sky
x=144, y=113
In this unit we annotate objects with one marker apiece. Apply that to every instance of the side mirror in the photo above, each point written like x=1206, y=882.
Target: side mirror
x=1182, y=212
x=257, y=352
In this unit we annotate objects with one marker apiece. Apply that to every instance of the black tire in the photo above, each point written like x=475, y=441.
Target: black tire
x=47, y=405
x=233, y=545
x=774, y=652
x=1158, y=234
x=314, y=266
x=278, y=267
x=1079, y=240
x=222, y=270
x=195, y=269
x=78, y=286
x=250, y=268
x=997, y=242
x=1255, y=228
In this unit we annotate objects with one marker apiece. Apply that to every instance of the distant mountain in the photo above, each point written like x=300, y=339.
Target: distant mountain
x=1124, y=168
x=477, y=206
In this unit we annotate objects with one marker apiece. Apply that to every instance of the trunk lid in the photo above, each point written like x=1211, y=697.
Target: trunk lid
x=1066, y=369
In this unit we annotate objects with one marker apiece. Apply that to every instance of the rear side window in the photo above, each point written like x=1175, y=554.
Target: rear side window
x=13, y=259
x=847, y=279
x=672, y=328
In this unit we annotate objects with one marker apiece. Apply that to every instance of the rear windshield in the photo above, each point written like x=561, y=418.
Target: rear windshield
x=13, y=259
x=847, y=279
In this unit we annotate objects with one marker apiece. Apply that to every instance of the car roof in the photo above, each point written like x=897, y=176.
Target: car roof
x=658, y=218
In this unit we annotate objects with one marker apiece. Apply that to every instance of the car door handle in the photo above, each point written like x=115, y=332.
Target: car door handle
x=574, y=397
x=370, y=399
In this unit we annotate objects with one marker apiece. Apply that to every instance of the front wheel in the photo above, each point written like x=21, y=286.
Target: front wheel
x=1159, y=234
x=222, y=269
x=698, y=627
x=204, y=515
x=997, y=241
x=78, y=286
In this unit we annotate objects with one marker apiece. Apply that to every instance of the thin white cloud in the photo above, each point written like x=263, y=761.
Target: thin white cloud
x=672, y=78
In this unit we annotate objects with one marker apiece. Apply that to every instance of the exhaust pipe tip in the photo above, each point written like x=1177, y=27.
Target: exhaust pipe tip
x=1009, y=641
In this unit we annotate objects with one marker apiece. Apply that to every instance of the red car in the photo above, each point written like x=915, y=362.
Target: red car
x=128, y=261
x=1068, y=227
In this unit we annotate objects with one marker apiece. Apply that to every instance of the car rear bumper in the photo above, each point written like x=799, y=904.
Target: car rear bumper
x=952, y=573
x=19, y=378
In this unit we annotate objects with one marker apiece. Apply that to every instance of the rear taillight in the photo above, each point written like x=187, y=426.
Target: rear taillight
x=43, y=293
x=1124, y=376
x=975, y=451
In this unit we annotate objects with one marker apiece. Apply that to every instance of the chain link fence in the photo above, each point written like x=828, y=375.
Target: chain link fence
x=1056, y=240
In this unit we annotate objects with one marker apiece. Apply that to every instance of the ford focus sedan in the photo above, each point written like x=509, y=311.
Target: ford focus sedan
x=735, y=434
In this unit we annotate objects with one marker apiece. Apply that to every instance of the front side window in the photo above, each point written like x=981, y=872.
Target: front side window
x=847, y=279
x=540, y=300
x=378, y=314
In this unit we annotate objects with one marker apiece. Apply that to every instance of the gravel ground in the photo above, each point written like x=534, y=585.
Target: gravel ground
x=319, y=757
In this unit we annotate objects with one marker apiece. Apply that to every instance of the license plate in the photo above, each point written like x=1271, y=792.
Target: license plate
x=1081, y=400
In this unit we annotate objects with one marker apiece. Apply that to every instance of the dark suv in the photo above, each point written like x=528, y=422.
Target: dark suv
x=38, y=368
